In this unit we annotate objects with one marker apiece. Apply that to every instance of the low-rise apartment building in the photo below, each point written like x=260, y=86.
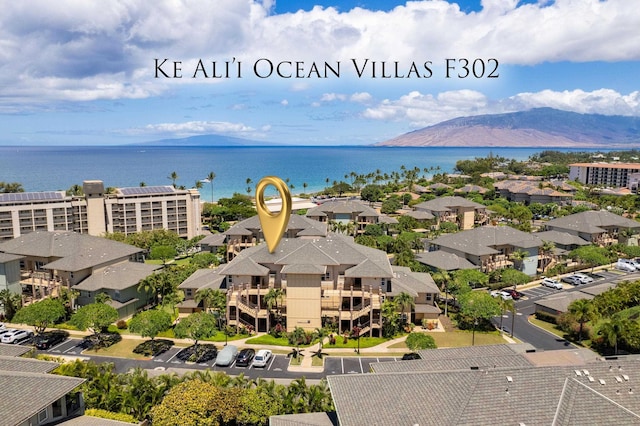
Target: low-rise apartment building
x=126, y=210
x=461, y=211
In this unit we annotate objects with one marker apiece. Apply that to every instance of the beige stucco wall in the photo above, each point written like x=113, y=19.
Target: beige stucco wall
x=303, y=302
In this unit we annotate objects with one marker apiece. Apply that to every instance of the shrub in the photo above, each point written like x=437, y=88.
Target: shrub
x=153, y=347
x=542, y=316
x=418, y=341
x=121, y=324
x=104, y=414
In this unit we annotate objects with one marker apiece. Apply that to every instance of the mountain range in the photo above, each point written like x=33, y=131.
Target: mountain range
x=539, y=127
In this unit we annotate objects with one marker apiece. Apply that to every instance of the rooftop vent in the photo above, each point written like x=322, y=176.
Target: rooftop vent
x=591, y=379
x=618, y=379
x=625, y=377
x=578, y=373
x=586, y=372
x=602, y=382
x=509, y=379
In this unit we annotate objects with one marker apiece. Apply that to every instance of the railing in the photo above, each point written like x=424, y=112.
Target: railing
x=247, y=306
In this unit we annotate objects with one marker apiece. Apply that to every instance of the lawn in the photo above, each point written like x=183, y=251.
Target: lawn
x=267, y=339
x=365, y=342
x=122, y=349
x=218, y=337
x=553, y=329
x=457, y=339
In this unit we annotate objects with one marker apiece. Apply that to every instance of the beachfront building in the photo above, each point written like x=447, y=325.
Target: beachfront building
x=491, y=247
x=599, y=227
x=323, y=279
x=603, y=174
x=91, y=265
x=461, y=211
x=126, y=210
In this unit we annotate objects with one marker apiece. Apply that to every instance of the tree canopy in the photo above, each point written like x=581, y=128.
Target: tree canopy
x=150, y=323
x=95, y=317
x=41, y=314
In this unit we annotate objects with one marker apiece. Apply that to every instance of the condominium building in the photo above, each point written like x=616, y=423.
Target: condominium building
x=606, y=174
x=125, y=210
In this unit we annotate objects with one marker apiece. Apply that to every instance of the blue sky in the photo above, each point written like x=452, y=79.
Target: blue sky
x=84, y=73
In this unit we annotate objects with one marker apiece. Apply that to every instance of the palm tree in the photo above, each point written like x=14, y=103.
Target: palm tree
x=273, y=296
x=11, y=302
x=297, y=336
x=518, y=257
x=612, y=330
x=582, y=310
x=143, y=184
x=442, y=278
x=198, y=184
x=405, y=301
x=304, y=186
x=213, y=300
x=546, y=250
x=173, y=177
x=320, y=334
x=210, y=177
x=505, y=305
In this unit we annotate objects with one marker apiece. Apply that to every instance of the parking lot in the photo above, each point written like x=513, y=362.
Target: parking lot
x=542, y=291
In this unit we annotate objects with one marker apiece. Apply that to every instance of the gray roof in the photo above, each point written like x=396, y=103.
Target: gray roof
x=13, y=350
x=27, y=365
x=336, y=207
x=444, y=204
x=26, y=394
x=562, y=238
x=303, y=225
x=454, y=364
x=214, y=240
x=443, y=260
x=304, y=419
x=497, y=396
x=117, y=277
x=69, y=251
x=335, y=249
x=92, y=421
x=560, y=302
x=480, y=241
x=420, y=215
x=411, y=282
x=592, y=222
x=204, y=278
x=597, y=289
x=5, y=257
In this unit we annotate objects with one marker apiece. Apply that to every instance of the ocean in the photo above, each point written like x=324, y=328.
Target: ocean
x=58, y=168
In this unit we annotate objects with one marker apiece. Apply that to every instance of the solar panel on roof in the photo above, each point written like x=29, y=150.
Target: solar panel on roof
x=144, y=190
x=31, y=196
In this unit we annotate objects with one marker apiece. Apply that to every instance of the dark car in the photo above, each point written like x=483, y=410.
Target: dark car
x=244, y=357
x=515, y=295
x=49, y=339
x=411, y=355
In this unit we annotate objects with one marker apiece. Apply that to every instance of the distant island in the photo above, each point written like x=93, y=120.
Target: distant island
x=539, y=127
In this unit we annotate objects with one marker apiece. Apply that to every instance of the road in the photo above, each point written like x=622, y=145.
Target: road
x=524, y=331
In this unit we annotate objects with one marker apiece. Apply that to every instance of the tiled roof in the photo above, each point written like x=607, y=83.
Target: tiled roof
x=443, y=260
x=13, y=350
x=454, y=364
x=560, y=302
x=443, y=204
x=245, y=266
x=5, y=257
x=117, y=277
x=29, y=365
x=214, y=240
x=304, y=419
x=411, y=282
x=420, y=215
x=73, y=251
x=304, y=225
x=562, y=238
x=592, y=222
x=480, y=241
x=495, y=396
x=203, y=278
x=346, y=207
x=26, y=394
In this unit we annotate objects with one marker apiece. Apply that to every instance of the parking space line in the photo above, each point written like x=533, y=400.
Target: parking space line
x=361, y=369
x=342, y=364
x=58, y=345
x=174, y=355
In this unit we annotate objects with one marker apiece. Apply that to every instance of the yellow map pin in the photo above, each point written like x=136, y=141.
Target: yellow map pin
x=273, y=224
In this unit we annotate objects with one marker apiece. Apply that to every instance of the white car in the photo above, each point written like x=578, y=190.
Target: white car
x=500, y=293
x=262, y=358
x=549, y=282
x=15, y=336
x=625, y=265
x=584, y=279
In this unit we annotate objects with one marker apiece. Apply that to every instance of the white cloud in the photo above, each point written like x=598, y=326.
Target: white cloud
x=421, y=110
x=284, y=102
x=106, y=50
x=330, y=97
x=191, y=128
x=361, y=97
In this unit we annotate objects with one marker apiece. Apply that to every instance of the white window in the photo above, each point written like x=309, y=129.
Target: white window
x=42, y=416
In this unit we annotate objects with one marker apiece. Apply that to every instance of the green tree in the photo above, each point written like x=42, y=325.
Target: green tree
x=196, y=327
x=590, y=255
x=214, y=300
x=297, y=337
x=10, y=187
x=404, y=301
x=582, y=310
x=372, y=193
x=10, y=303
x=150, y=323
x=258, y=405
x=95, y=317
x=210, y=177
x=273, y=299
x=514, y=277
x=390, y=318
x=477, y=306
x=173, y=177
x=419, y=341
x=41, y=314
x=518, y=258
x=613, y=330
x=163, y=253
x=205, y=260
x=390, y=205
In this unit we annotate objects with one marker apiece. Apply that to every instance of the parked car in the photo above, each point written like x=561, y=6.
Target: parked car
x=226, y=355
x=625, y=265
x=572, y=279
x=262, y=358
x=635, y=263
x=245, y=356
x=49, y=339
x=501, y=293
x=550, y=282
x=5, y=330
x=586, y=279
x=15, y=336
x=410, y=355
x=515, y=295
